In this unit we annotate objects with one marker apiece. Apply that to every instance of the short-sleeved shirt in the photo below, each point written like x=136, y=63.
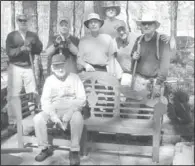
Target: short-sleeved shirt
x=96, y=50
x=109, y=27
x=124, y=51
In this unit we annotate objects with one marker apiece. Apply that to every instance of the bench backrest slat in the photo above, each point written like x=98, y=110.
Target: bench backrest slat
x=108, y=103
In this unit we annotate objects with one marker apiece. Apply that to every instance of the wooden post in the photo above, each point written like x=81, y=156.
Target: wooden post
x=13, y=15
x=18, y=110
x=16, y=150
x=159, y=110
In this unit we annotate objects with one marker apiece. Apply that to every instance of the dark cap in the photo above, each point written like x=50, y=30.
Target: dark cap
x=58, y=59
x=120, y=24
x=66, y=19
x=22, y=17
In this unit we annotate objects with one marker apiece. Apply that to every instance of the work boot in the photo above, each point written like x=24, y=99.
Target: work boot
x=44, y=154
x=74, y=158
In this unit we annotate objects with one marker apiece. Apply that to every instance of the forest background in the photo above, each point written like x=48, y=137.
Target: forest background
x=176, y=18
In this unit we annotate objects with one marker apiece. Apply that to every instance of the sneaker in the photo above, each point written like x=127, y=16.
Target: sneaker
x=74, y=158
x=44, y=154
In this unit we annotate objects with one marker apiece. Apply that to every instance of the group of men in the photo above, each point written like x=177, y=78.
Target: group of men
x=110, y=48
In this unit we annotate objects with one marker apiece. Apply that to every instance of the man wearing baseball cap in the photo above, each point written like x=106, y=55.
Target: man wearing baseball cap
x=65, y=43
x=62, y=100
x=20, y=45
x=125, y=41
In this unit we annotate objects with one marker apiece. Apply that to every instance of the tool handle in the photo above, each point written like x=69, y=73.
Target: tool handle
x=133, y=75
x=33, y=69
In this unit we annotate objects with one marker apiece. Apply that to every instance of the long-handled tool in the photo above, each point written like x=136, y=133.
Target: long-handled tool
x=135, y=64
x=133, y=75
x=33, y=69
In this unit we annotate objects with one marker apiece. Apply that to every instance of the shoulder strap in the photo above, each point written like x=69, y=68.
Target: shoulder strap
x=139, y=43
x=157, y=46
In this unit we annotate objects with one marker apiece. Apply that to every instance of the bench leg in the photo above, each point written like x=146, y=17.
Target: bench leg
x=157, y=131
x=83, y=142
x=19, y=122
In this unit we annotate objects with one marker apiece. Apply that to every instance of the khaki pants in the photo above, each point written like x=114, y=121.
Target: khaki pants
x=76, y=126
x=17, y=78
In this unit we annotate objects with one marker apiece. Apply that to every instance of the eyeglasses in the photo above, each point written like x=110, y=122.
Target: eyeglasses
x=59, y=66
x=121, y=29
x=147, y=23
x=21, y=20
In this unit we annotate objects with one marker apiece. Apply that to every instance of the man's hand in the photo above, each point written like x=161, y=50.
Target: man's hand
x=57, y=41
x=165, y=38
x=68, y=41
x=89, y=68
x=157, y=90
x=25, y=48
x=136, y=55
x=56, y=120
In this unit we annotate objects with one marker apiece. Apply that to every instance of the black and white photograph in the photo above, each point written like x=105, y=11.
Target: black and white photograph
x=97, y=82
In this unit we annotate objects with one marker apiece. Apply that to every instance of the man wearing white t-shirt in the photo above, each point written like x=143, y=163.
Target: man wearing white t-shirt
x=62, y=100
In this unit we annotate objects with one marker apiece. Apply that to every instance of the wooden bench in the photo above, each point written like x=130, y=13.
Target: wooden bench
x=111, y=114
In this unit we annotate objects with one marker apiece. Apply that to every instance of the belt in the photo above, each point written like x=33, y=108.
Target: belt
x=146, y=77
x=99, y=68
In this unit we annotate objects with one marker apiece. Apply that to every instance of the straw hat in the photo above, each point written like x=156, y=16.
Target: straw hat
x=148, y=18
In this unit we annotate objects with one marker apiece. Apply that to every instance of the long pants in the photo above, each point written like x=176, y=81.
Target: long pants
x=76, y=127
x=17, y=78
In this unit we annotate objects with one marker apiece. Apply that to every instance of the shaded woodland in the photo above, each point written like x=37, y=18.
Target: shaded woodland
x=176, y=18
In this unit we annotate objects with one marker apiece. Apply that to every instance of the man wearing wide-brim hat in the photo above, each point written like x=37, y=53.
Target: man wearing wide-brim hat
x=151, y=53
x=65, y=43
x=96, y=50
x=110, y=9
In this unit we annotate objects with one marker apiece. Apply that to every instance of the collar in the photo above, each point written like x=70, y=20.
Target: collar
x=153, y=37
x=23, y=35
x=63, y=38
x=62, y=78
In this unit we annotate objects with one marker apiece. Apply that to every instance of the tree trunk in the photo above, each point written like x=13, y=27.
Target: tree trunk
x=74, y=18
x=30, y=8
x=127, y=13
x=98, y=8
x=173, y=18
x=81, y=28
x=13, y=15
x=53, y=19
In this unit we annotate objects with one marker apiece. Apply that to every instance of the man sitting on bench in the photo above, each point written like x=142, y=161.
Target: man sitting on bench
x=62, y=100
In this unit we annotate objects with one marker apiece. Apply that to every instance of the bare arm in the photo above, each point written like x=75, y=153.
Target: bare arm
x=165, y=54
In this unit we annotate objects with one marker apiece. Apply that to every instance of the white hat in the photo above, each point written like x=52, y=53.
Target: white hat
x=93, y=16
x=148, y=18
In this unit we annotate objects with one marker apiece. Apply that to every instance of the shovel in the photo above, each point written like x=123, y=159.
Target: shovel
x=154, y=100
x=33, y=69
x=130, y=92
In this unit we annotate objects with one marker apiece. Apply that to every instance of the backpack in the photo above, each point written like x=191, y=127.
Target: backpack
x=180, y=109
